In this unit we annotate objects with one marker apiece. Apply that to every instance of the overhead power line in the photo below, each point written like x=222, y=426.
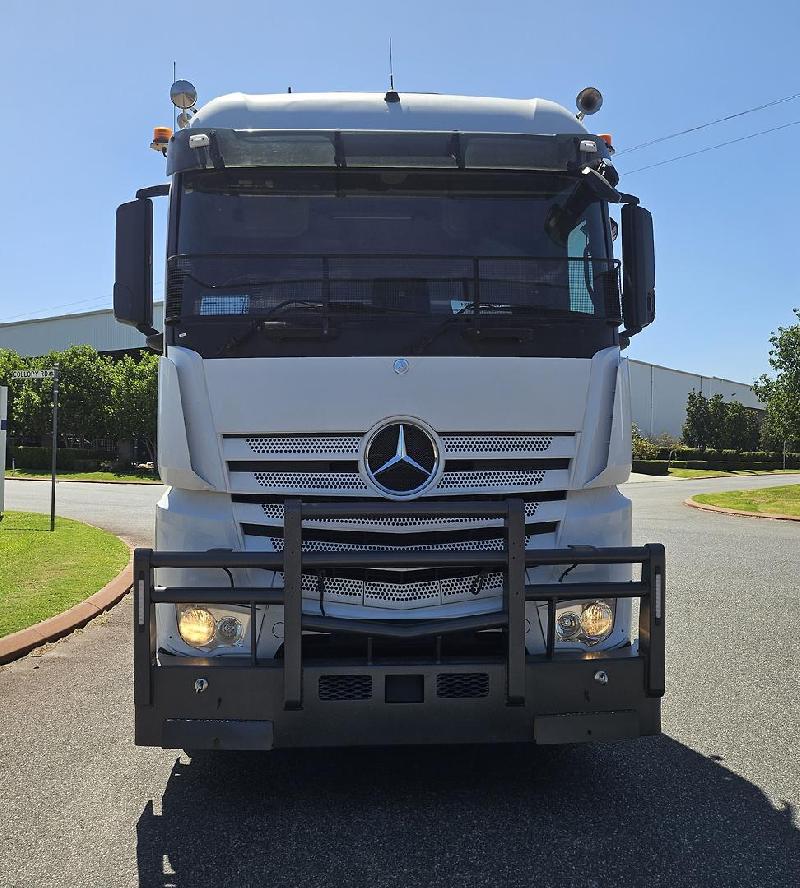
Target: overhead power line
x=33, y=312
x=772, y=129
x=708, y=123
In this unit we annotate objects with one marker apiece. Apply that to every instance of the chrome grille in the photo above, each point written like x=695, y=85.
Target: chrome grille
x=302, y=481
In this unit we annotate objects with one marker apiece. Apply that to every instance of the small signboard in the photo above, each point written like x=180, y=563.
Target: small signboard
x=33, y=374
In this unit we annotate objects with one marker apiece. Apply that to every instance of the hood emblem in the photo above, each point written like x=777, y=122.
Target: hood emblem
x=401, y=459
x=400, y=366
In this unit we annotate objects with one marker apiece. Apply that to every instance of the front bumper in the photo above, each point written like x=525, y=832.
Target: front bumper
x=242, y=703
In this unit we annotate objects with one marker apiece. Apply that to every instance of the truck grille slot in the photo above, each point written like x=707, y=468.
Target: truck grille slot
x=343, y=445
x=455, y=685
x=345, y=687
x=274, y=512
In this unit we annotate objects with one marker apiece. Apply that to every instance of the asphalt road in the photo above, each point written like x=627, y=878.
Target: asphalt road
x=712, y=802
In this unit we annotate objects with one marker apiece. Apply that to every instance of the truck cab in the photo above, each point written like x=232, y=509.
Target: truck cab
x=393, y=418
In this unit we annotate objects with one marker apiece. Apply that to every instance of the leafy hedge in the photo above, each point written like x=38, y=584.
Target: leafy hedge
x=69, y=458
x=651, y=466
x=731, y=459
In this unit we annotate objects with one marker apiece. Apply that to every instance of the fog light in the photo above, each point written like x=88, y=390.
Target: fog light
x=568, y=625
x=196, y=626
x=229, y=630
x=597, y=621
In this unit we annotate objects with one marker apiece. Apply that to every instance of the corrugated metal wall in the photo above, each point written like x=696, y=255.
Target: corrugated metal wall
x=658, y=394
x=96, y=328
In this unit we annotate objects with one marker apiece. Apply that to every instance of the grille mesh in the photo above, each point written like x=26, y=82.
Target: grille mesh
x=346, y=445
x=495, y=545
x=384, y=594
x=462, y=684
x=351, y=481
x=345, y=687
x=274, y=512
x=503, y=478
x=496, y=443
x=311, y=480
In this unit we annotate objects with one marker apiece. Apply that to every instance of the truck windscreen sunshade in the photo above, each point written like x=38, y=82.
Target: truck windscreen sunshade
x=197, y=149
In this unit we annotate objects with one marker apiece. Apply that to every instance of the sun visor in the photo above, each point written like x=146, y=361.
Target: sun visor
x=202, y=148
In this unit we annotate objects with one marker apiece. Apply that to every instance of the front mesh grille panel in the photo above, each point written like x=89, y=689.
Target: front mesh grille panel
x=455, y=685
x=311, y=480
x=352, y=482
x=493, y=444
x=349, y=590
x=345, y=687
x=274, y=512
x=495, y=545
x=344, y=445
x=508, y=478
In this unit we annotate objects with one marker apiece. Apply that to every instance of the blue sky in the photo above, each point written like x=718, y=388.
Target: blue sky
x=84, y=83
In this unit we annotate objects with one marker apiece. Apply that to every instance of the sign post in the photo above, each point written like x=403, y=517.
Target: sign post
x=3, y=425
x=52, y=373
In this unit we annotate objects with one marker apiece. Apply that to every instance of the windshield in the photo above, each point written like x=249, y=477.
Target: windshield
x=355, y=244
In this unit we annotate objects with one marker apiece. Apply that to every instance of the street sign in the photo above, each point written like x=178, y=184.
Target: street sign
x=33, y=374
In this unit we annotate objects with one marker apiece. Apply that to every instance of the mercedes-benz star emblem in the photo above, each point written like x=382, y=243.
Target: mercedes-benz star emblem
x=400, y=366
x=401, y=459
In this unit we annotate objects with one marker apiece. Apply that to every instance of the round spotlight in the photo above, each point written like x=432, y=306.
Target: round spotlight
x=229, y=630
x=568, y=625
x=589, y=101
x=196, y=626
x=597, y=621
x=183, y=94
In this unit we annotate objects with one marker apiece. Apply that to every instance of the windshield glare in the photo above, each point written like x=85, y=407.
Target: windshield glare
x=254, y=242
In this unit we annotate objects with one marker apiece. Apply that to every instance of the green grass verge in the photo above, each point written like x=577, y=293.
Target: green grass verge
x=44, y=573
x=119, y=477
x=717, y=473
x=766, y=500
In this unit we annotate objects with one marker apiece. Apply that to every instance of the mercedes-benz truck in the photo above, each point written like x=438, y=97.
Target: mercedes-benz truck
x=393, y=417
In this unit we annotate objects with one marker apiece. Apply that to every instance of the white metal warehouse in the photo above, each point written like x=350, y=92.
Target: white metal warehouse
x=658, y=394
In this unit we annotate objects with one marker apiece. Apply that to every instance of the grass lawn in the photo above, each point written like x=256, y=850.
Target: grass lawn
x=767, y=500
x=717, y=473
x=44, y=573
x=120, y=477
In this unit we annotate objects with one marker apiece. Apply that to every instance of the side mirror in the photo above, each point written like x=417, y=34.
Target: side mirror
x=133, y=287
x=638, y=269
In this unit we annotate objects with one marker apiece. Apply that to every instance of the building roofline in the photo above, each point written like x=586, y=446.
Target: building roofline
x=78, y=314
x=690, y=372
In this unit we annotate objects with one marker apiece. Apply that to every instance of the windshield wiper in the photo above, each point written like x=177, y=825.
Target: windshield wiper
x=263, y=323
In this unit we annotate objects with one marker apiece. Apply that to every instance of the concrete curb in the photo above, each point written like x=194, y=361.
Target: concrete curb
x=16, y=645
x=705, y=507
x=87, y=481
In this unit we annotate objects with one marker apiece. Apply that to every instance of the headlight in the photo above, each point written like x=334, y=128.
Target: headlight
x=196, y=626
x=597, y=621
x=587, y=623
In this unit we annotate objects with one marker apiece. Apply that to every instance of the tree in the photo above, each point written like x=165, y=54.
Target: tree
x=741, y=427
x=696, y=430
x=781, y=393
x=717, y=422
x=134, y=399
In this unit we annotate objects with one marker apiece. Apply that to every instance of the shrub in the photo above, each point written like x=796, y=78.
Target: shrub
x=651, y=466
x=642, y=448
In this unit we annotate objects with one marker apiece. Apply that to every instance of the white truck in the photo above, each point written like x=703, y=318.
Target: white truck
x=393, y=415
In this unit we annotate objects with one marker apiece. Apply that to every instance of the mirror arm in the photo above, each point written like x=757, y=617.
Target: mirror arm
x=153, y=191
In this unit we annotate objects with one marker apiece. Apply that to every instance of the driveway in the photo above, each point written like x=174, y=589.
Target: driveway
x=712, y=802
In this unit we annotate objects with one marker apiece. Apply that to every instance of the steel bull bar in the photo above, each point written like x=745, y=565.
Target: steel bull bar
x=252, y=703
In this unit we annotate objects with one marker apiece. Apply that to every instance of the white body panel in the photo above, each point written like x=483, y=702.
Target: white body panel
x=371, y=111
x=217, y=414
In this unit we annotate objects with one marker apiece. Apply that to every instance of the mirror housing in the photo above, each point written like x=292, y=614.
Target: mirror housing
x=133, y=285
x=638, y=269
